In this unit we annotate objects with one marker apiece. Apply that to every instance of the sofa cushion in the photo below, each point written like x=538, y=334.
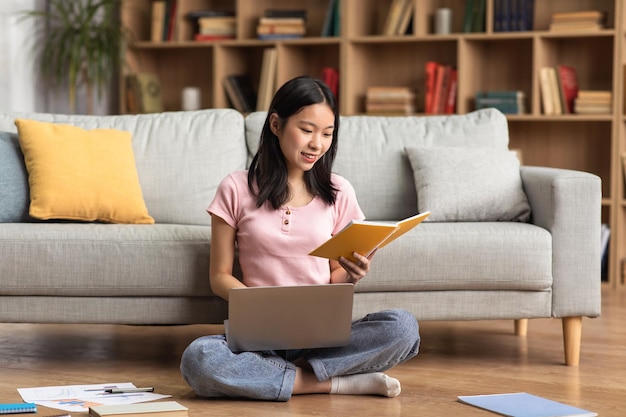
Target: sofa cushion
x=14, y=194
x=100, y=260
x=470, y=256
x=181, y=157
x=78, y=174
x=468, y=184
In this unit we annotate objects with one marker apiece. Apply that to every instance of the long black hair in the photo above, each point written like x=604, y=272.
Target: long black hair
x=267, y=176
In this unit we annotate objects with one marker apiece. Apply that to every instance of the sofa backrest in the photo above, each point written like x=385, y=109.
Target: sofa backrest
x=181, y=157
x=372, y=153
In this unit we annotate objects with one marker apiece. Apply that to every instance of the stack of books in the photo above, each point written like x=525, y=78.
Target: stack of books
x=593, y=102
x=214, y=25
x=282, y=24
x=508, y=102
x=390, y=100
x=578, y=21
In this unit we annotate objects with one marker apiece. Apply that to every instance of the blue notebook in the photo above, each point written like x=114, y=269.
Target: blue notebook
x=521, y=404
x=18, y=408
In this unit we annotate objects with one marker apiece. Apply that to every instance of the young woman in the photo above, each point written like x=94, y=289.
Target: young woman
x=275, y=213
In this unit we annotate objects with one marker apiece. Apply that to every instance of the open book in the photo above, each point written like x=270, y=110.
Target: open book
x=365, y=236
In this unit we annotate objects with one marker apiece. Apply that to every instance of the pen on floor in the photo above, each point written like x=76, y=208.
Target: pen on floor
x=128, y=390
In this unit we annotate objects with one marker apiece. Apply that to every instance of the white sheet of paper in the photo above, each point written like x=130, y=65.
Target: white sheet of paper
x=78, y=398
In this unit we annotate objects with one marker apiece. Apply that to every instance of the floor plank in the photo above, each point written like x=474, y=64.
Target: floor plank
x=456, y=358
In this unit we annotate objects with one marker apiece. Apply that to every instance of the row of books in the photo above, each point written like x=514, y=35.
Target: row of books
x=559, y=88
x=282, y=24
x=513, y=15
x=243, y=95
x=474, y=18
x=398, y=19
x=390, y=100
x=163, y=20
x=508, y=102
x=578, y=21
x=440, y=90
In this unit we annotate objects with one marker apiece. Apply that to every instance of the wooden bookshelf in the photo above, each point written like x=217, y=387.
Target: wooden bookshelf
x=486, y=60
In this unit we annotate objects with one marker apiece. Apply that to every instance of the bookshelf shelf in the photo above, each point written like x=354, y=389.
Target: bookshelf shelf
x=485, y=60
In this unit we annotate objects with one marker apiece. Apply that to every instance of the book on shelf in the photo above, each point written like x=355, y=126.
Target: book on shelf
x=578, y=21
x=18, y=408
x=364, y=237
x=267, y=79
x=147, y=409
x=158, y=20
x=522, y=404
x=390, y=100
x=474, y=17
x=240, y=92
x=144, y=93
x=331, y=19
x=170, y=20
x=440, y=88
x=330, y=76
x=568, y=87
x=398, y=17
x=513, y=15
x=507, y=101
x=550, y=93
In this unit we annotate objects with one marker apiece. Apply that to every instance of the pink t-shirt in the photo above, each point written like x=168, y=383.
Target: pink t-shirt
x=274, y=244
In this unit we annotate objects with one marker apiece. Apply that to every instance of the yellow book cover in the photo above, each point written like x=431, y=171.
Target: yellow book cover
x=365, y=236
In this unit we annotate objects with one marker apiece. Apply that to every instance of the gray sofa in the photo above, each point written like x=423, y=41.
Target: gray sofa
x=452, y=267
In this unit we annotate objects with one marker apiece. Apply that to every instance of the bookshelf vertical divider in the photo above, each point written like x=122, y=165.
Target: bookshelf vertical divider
x=485, y=60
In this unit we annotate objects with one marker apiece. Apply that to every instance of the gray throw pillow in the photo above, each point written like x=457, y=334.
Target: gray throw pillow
x=14, y=191
x=468, y=184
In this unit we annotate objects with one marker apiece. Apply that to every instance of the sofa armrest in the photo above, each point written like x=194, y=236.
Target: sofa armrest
x=568, y=204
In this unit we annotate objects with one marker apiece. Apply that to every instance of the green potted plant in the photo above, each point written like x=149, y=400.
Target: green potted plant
x=82, y=45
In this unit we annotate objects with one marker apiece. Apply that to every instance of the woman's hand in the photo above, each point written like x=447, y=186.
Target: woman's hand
x=356, y=270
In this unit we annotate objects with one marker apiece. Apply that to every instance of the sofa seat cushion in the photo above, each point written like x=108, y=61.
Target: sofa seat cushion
x=54, y=259
x=464, y=256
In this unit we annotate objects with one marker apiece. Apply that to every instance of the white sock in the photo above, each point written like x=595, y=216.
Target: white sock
x=366, y=384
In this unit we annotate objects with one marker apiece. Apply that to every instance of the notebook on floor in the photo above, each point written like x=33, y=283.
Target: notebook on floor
x=290, y=317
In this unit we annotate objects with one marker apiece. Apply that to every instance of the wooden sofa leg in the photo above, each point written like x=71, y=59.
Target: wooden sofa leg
x=572, y=331
x=521, y=327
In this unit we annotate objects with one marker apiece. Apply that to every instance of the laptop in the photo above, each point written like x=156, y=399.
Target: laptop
x=289, y=317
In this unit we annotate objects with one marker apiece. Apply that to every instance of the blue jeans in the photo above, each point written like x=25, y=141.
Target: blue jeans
x=378, y=342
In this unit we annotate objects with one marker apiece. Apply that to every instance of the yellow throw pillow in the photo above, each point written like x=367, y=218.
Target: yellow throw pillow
x=80, y=174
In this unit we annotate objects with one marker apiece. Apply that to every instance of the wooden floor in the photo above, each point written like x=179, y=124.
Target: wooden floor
x=456, y=358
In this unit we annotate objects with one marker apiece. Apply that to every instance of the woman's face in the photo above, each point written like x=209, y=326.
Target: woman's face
x=306, y=136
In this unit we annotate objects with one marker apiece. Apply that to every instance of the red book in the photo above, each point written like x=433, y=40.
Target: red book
x=450, y=106
x=330, y=76
x=440, y=95
x=568, y=85
x=429, y=90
